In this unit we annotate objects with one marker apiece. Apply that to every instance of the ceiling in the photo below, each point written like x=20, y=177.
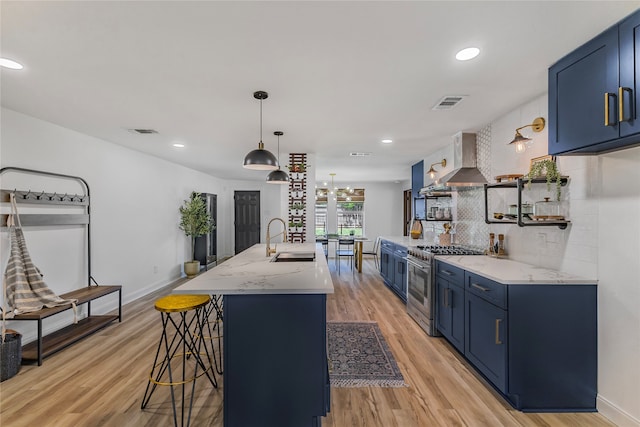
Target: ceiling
x=341, y=76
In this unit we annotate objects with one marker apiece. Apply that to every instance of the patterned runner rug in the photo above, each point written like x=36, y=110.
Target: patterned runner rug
x=360, y=357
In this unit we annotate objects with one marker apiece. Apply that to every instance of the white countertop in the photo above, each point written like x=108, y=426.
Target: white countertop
x=406, y=241
x=511, y=272
x=252, y=272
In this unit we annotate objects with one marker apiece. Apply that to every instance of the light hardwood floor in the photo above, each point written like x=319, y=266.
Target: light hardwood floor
x=100, y=380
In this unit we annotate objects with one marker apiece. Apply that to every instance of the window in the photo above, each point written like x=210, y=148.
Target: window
x=350, y=218
x=321, y=217
x=348, y=205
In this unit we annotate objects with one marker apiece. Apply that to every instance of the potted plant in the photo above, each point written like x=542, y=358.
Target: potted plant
x=297, y=167
x=194, y=221
x=297, y=206
x=545, y=168
x=295, y=226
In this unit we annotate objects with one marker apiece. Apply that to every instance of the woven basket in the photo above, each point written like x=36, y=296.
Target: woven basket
x=10, y=355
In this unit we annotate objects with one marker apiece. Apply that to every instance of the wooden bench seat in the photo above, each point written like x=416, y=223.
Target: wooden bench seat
x=47, y=345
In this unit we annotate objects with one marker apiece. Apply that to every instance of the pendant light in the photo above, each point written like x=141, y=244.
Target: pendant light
x=260, y=159
x=278, y=176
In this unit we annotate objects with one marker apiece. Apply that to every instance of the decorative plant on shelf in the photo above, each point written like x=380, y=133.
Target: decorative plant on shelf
x=297, y=206
x=295, y=225
x=297, y=167
x=195, y=221
x=545, y=168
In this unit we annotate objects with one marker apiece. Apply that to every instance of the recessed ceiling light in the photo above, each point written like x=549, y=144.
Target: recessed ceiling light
x=177, y=145
x=468, y=53
x=387, y=141
x=8, y=63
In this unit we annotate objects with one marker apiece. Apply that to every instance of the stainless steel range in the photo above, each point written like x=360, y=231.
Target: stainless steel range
x=421, y=301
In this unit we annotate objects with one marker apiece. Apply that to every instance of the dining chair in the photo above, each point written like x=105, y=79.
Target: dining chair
x=374, y=252
x=325, y=245
x=345, y=249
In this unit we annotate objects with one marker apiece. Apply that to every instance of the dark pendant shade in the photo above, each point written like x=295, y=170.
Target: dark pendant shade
x=278, y=177
x=260, y=159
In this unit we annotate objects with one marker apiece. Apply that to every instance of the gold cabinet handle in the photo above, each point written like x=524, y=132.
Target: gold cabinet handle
x=498, y=342
x=482, y=288
x=608, y=95
x=621, y=91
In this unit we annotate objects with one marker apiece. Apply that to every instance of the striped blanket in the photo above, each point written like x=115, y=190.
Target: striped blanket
x=25, y=289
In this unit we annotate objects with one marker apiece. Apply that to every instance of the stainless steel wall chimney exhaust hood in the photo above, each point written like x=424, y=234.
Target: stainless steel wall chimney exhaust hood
x=465, y=174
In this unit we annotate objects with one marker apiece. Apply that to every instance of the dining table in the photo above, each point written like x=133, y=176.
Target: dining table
x=357, y=246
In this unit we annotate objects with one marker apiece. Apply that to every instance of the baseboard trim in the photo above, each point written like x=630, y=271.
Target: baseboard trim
x=616, y=414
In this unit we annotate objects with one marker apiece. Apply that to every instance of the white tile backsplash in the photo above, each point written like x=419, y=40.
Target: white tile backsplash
x=547, y=246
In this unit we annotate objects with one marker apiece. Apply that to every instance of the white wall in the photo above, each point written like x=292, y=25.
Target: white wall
x=383, y=209
x=603, y=242
x=618, y=253
x=134, y=209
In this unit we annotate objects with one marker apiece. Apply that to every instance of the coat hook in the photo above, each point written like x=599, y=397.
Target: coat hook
x=40, y=196
x=53, y=196
x=26, y=196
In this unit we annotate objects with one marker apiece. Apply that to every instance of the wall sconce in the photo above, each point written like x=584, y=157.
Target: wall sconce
x=432, y=171
x=522, y=141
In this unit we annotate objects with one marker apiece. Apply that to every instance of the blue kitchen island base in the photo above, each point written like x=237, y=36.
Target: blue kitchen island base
x=275, y=360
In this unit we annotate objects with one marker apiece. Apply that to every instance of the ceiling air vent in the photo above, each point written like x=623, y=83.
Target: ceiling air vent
x=357, y=154
x=448, y=102
x=143, y=131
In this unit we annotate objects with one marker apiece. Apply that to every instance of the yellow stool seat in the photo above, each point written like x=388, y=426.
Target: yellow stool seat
x=179, y=302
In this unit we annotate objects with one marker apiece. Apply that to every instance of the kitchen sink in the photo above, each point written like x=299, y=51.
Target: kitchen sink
x=294, y=257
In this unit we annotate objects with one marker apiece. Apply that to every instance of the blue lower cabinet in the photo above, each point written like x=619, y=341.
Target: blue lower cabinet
x=450, y=313
x=400, y=277
x=387, y=267
x=275, y=361
x=535, y=343
x=553, y=347
x=393, y=268
x=486, y=339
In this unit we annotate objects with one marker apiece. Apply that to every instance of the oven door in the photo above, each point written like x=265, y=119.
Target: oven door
x=418, y=278
x=420, y=294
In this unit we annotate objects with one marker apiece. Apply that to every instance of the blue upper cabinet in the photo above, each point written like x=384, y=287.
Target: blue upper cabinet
x=417, y=182
x=630, y=75
x=593, y=96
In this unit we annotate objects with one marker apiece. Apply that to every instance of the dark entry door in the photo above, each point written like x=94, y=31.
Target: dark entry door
x=247, y=219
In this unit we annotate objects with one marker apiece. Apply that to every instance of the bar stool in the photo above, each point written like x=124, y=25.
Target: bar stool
x=184, y=346
x=214, y=315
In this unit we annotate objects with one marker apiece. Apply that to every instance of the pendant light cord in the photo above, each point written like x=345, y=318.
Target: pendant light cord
x=260, y=120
